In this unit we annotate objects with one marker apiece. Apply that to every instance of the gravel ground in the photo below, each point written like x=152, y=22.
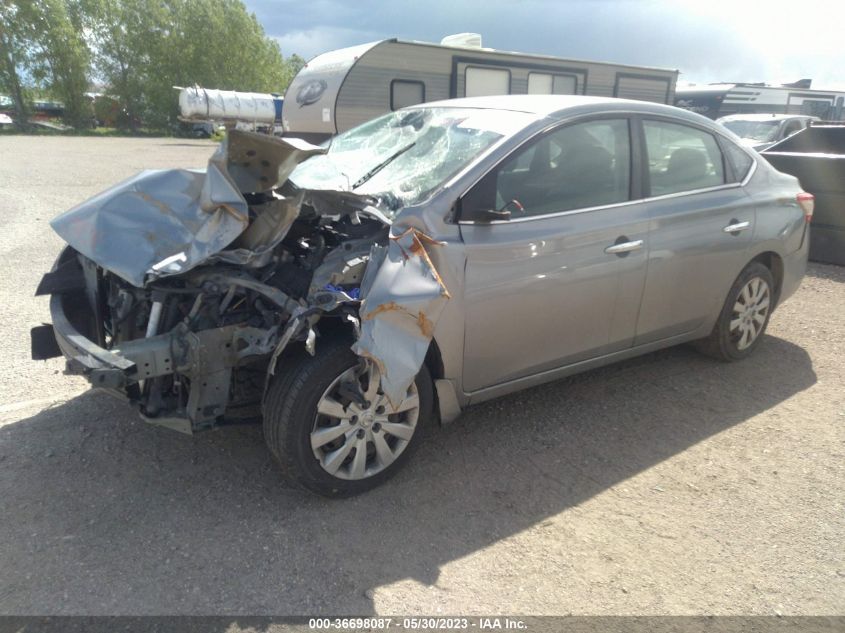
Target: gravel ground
x=669, y=484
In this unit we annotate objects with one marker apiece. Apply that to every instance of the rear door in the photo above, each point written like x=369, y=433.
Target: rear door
x=701, y=226
x=561, y=281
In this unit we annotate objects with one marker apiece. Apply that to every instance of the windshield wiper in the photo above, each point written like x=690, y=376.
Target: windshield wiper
x=381, y=166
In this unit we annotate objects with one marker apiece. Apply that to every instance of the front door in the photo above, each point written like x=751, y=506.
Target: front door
x=561, y=281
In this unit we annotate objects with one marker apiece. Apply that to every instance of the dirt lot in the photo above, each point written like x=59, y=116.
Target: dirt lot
x=667, y=484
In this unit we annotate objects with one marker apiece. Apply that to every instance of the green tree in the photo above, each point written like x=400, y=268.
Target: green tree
x=293, y=65
x=38, y=42
x=143, y=48
x=60, y=59
x=16, y=34
x=127, y=36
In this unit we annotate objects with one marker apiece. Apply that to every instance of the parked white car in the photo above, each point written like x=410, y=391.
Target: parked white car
x=760, y=131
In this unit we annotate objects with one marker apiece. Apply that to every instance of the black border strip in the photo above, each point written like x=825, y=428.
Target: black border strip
x=515, y=623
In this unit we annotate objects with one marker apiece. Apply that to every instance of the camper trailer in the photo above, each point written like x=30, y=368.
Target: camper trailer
x=340, y=89
x=718, y=100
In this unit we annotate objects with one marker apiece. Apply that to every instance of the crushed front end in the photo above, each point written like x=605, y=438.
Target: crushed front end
x=181, y=290
x=189, y=348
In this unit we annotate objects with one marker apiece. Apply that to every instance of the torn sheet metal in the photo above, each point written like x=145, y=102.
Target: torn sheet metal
x=403, y=299
x=166, y=222
x=258, y=162
x=271, y=222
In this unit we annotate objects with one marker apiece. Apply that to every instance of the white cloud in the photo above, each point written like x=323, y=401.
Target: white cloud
x=715, y=40
x=308, y=43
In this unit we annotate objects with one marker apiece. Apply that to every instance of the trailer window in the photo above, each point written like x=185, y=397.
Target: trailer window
x=548, y=84
x=481, y=82
x=404, y=93
x=816, y=107
x=642, y=88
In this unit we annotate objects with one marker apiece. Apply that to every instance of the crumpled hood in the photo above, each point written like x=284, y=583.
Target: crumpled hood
x=165, y=222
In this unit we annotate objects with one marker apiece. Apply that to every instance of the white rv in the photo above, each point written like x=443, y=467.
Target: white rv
x=340, y=89
x=718, y=100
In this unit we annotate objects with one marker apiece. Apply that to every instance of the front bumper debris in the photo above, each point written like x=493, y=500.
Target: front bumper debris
x=206, y=359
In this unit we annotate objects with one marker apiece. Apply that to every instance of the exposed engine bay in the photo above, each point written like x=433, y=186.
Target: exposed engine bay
x=182, y=289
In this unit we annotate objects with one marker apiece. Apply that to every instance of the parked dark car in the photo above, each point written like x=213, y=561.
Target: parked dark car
x=816, y=156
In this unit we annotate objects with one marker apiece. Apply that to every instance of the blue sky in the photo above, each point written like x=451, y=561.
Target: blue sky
x=707, y=40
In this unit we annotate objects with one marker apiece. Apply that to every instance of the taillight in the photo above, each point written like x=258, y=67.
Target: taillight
x=807, y=202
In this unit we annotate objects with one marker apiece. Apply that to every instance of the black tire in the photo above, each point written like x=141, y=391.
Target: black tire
x=290, y=409
x=723, y=344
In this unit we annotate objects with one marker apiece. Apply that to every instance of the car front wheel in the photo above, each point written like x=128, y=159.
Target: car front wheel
x=332, y=429
x=744, y=317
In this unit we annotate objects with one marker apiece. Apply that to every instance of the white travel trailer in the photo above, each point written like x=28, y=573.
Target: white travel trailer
x=718, y=100
x=340, y=89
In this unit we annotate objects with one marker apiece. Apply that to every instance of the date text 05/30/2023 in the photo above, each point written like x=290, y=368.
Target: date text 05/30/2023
x=417, y=623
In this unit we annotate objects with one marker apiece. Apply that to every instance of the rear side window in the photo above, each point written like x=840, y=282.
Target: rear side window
x=681, y=158
x=575, y=167
x=740, y=161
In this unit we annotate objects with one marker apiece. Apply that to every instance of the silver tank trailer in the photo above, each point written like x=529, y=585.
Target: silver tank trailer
x=203, y=104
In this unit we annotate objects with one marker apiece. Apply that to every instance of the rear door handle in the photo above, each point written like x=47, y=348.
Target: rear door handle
x=624, y=247
x=736, y=227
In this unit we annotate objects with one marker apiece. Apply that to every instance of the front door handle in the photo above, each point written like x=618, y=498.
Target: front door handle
x=624, y=247
x=736, y=227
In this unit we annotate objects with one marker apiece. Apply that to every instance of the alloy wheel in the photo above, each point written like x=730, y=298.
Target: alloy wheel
x=358, y=438
x=750, y=312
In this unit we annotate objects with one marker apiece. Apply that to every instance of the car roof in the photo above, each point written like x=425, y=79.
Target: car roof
x=559, y=106
x=764, y=116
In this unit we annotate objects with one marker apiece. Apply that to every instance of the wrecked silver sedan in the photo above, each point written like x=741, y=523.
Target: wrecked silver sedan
x=434, y=257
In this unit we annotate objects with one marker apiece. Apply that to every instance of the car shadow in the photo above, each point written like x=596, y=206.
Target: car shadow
x=104, y=514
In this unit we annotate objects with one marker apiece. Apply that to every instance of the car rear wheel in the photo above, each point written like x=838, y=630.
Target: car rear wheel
x=744, y=317
x=332, y=429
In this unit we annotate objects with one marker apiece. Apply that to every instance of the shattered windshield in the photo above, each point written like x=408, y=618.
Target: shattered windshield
x=763, y=131
x=408, y=153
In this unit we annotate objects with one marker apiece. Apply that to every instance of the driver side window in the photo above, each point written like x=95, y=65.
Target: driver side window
x=575, y=167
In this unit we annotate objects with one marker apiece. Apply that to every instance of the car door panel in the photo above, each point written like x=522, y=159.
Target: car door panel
x=692, y=260
x=544, y=293
x=541, y=290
